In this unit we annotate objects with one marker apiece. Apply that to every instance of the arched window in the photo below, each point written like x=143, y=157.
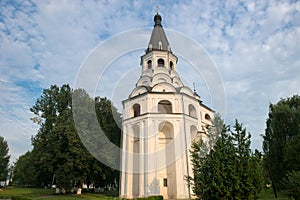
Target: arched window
x=171, y=65
x=207, y=117
x=192, y=111
x=149, y=64
x=136, y=110
x=164, y=106
x=166, y=133
x=166, y=145
x=161, y=62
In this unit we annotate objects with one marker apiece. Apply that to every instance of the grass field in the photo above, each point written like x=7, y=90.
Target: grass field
x=33, y=193
x=268, y=195
x=44, y=194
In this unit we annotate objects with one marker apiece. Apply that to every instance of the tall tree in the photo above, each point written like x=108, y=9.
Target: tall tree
x=58, y=154
x=51, y=142
x=109, y=119
x=281, y=140
x=199, y=151
x=229, y=170
x=95, y=128
x=25, y=171
x=4, y=158
x=248, y=165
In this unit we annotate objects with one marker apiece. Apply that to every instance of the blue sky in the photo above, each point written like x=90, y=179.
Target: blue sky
x=255, y=46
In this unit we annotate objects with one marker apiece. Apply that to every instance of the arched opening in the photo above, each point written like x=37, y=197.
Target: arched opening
x=161, y=62
x=149, y=64
x=192, y=111
x=167, y=176
x=207, y=117
x=164, y=106
x=136, y=110
x=166, y=133
x=171, y=65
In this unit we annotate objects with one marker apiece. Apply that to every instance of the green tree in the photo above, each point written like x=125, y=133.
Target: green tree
x=281, y=140
x=51, y=142
x=248, y=165
x=216, y=178
x=89, y=125
x=256, y=172
x=200, y=150
x=58, y=155
x=292, y=181
x=25, y=170
x=109, y=119
x=229, y=170
x=291, y=153
x=4, y=158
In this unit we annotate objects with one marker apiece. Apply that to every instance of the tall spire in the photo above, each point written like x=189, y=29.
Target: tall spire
x=158, y=40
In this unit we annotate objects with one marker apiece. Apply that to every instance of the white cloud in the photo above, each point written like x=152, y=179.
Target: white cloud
x=255, y=46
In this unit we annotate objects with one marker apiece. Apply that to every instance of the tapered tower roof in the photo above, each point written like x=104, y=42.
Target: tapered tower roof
x=158, y=40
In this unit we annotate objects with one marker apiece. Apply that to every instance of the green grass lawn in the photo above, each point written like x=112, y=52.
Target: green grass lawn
x=34, y=193
x=269, y=195
x=44, y=194
x=30, y=192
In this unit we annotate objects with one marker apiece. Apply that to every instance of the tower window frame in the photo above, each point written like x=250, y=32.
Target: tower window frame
x=207, y=117
x=149, y=64
x=171, y=65
x=136, y=110
x=165, y=107
x=160, y=62
x=192, y=111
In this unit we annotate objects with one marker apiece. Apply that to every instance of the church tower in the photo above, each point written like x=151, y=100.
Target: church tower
x=161, y=118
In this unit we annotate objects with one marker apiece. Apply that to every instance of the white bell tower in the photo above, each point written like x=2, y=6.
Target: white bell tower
x=161, y=118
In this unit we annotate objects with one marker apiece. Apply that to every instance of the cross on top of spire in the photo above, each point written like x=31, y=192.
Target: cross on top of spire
x=157, y=17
